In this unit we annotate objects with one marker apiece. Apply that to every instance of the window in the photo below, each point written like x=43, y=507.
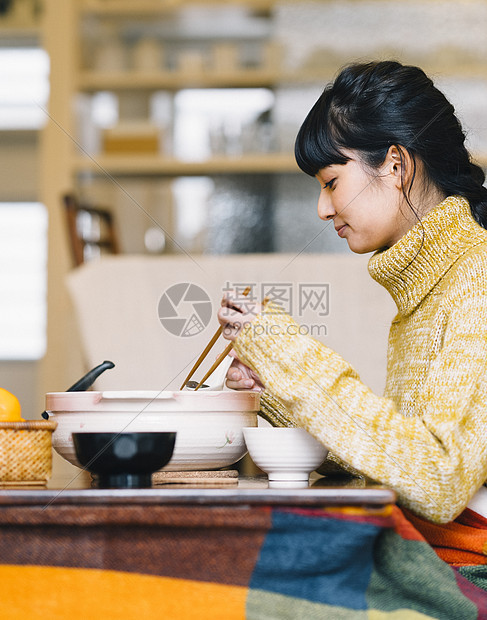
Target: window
x=25, y=73
x=23, y=258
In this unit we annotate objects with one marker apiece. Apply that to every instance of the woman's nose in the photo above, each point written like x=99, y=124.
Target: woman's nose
x=325, y=207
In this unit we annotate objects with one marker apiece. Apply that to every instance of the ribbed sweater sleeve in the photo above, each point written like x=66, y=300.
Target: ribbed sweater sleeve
x=435, y=459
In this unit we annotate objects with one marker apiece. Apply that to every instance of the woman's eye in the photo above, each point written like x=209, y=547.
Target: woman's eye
x=330, y=184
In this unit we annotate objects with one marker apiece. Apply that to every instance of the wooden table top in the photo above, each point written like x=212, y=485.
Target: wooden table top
x=247, y=491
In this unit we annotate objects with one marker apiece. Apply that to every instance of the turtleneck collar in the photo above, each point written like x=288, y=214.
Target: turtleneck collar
x=412, y=266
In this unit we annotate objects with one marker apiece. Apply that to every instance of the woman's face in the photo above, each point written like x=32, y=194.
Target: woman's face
x=365, y=207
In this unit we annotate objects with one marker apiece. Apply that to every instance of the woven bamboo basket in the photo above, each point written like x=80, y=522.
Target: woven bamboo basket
x=25, y=452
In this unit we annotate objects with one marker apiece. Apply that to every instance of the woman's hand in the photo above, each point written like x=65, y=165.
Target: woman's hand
x=241, y=377
x=235, y=313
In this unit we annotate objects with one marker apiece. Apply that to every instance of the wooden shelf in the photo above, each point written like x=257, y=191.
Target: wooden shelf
x=148, y=165
x=90, y=81
x=19, y=33
x=147, y=7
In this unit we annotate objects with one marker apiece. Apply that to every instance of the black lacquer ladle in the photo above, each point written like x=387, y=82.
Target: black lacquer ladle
x=87, y=381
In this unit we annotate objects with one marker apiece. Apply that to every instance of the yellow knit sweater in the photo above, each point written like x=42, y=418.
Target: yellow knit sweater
x=427, y=436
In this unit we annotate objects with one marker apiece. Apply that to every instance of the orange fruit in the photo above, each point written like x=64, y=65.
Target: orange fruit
x=10, y=409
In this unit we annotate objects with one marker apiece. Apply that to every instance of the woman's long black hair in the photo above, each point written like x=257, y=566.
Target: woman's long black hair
x=373, y=106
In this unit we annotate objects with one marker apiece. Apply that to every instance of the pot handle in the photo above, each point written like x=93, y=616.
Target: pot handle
x=87, y=381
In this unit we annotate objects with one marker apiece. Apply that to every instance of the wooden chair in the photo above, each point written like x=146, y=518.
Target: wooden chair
x=91, y=230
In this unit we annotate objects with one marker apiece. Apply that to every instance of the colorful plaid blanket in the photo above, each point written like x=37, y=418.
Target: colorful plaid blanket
x=229, y=564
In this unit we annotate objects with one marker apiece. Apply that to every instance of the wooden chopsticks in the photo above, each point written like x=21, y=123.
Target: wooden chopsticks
x=207, y=349
x=205, y=352
x=216, y=363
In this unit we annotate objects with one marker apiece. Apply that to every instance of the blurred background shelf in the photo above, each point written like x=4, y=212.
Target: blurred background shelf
x=144, y=7
x=161, y=80
x=158, y=165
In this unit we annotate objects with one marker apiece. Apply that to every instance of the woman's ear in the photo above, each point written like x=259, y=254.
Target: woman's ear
x=398, y=163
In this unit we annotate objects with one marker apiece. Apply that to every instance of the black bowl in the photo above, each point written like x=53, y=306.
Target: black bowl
x=123, y=460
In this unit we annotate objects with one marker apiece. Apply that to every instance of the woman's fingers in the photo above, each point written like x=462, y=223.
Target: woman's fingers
x=244, y=384
x=241, y=377
x=235, y=374
x=238, y=303
x=233, y=320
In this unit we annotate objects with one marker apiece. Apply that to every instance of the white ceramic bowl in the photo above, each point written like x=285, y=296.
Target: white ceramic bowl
x=285, y=454
x=208, y=424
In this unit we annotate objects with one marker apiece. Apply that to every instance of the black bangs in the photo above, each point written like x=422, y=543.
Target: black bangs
x=317, y=144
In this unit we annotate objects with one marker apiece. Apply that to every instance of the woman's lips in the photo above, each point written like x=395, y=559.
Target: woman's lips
x=341, y=230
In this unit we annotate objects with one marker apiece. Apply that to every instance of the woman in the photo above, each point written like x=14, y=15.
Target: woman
x=396, y=179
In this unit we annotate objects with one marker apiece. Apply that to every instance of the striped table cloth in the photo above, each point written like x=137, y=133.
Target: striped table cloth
x=228, y=563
